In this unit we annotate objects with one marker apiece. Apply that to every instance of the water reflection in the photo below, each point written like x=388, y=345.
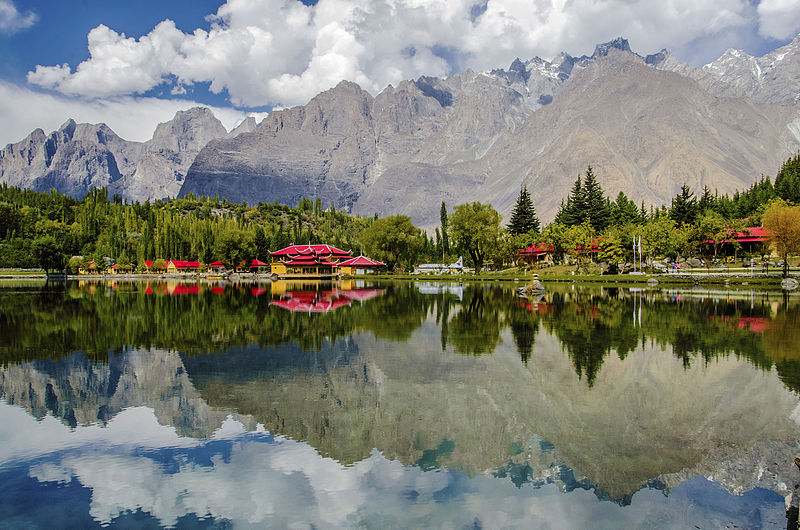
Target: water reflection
x=135, y=471
x=423, y=407
x=591, y=324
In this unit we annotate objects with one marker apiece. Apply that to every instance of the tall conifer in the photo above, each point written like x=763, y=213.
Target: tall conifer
x=523, y=217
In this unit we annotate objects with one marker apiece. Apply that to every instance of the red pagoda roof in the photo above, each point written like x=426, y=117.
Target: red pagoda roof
x=752, y=234
x=316, y=250
x=217, y=264
x=360, y=261
x=258, y=263
x=539, y=248
x=148, y=264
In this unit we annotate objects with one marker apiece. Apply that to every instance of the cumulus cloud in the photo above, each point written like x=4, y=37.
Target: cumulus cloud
x=11, y=20
x=132, y=118
x=779, y=19
x=281, y=52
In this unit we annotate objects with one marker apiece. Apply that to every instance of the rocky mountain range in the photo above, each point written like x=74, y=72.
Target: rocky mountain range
x=77, y=157
x=646, y=124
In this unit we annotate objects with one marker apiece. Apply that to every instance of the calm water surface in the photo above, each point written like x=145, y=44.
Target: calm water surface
x=394, y=405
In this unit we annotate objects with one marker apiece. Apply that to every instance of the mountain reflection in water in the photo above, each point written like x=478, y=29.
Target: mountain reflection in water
x=483, y=408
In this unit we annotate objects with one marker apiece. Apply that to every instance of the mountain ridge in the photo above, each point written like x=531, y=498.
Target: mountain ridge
x=450, y=138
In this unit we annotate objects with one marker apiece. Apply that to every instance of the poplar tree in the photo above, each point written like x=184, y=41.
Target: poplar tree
x=443, y=219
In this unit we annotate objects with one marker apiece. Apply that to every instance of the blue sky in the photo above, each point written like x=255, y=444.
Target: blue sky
x=99, y=60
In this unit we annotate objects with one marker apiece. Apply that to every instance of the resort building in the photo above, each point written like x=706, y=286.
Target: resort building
x=358, y=266
x=308, y=261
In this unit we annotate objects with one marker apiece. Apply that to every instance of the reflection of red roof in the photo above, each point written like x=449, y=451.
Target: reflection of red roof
x=753, y=324
x=361, y=295
x=361, y=261
x=312, y=301
x=148, y=290
x=217, y=289
x=258, y=291
x=320, y=306
x=180, y=289
x=193, y=289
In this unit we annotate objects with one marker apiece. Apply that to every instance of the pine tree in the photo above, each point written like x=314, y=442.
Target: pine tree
x=787, y=181
x=684, y=207
x=595, y=204
x=574, y=211
x=523, y=217
x=707, y=201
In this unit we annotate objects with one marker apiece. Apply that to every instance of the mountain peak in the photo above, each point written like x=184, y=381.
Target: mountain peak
x=619, y=43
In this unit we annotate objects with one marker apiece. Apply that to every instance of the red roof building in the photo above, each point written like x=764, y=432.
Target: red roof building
x=308, y=260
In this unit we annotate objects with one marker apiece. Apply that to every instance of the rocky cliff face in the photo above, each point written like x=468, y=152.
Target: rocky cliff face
x=480, y=136
x=78, y=157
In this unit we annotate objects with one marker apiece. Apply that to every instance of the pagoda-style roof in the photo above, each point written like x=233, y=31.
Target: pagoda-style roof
x=321, y=250
x=362, y=262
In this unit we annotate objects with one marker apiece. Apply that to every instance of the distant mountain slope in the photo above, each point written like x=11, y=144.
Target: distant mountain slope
x=478, y=136
x=772, y=78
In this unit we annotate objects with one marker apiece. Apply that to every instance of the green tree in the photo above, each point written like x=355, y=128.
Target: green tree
x=787, y=181
x=394, y=240
x=443, y=220
x=48, y=254
x=597, y=209
x=523, y=217
x=75, y=262
x=573, y=212
x=475, y=228
x=783, y=221
x=624, y=211
x=261, y=243
x=684, y=207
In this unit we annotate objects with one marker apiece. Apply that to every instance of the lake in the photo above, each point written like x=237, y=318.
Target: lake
x=396, y=405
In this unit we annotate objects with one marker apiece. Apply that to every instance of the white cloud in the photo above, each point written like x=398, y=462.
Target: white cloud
x=132, y=118
x=11, y=20
x=779, y=19
x=283, y=52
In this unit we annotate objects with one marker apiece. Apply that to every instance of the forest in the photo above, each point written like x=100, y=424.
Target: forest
x=54, y=231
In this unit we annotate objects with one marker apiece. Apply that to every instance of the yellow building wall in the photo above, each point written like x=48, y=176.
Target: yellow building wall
x=278, y=268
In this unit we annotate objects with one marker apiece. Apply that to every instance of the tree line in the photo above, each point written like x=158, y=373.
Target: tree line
x=46, y=229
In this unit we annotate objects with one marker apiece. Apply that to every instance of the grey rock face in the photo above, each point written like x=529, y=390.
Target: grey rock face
x=480, y=136
x=78, y=157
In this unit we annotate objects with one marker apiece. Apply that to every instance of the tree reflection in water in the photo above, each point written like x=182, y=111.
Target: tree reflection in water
x=590, y=323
